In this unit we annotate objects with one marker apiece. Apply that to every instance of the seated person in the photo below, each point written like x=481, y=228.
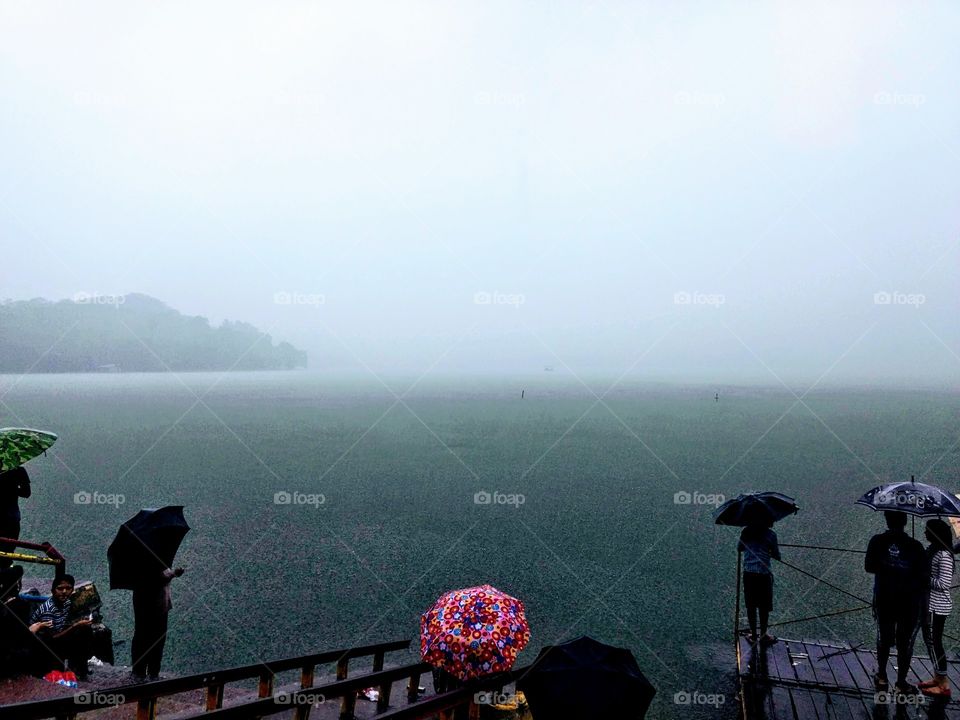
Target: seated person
x=20, y=652
x=68, y=643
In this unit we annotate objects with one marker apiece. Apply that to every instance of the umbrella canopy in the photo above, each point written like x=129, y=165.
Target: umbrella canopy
x=912, y=498
x=585, y=678
x=18, y=445
x=145, y=546
x=473, y=632
x=756, y=508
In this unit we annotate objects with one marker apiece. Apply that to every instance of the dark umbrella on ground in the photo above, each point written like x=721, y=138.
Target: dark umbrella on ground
x=755, y=508
x=584, y=678
x=912, y=498
x=145, y=545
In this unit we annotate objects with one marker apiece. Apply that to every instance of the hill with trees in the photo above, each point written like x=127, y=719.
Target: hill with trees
x=130, y=333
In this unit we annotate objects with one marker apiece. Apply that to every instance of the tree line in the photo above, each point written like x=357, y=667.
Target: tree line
x=130, y=333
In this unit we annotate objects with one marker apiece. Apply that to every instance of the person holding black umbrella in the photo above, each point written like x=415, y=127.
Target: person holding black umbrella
x=151, y=606
x=141, y=557
x=756, y=512
x=899, y=568
x=758, y=543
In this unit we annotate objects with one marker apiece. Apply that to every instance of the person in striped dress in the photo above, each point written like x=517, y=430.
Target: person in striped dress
x=939, y=604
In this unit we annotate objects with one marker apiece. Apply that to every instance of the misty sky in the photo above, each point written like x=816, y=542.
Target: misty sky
x=705, y=191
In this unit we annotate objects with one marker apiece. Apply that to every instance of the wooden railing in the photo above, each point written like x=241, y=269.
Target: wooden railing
x=53, y=556
x=455, y=703
x=460, y=701
x=147, y=694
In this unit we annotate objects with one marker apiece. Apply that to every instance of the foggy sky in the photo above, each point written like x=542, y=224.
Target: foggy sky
x=711, y=192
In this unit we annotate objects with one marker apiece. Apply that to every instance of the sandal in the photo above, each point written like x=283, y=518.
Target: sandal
x=881, y=683
x=937, y=690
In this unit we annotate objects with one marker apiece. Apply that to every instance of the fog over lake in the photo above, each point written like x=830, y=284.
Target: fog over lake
x=399, y=297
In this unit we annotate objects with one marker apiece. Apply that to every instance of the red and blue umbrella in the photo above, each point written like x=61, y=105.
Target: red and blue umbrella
x=473, y=632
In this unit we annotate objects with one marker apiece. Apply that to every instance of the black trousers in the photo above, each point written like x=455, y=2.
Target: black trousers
x=9, y=528
x=73, y=649
x=149, y=634
x=933, y=637
x=896, y=625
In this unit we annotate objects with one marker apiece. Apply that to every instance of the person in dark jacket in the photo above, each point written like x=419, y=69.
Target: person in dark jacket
x=151, y=605
x=14, y=484
x=898, y=564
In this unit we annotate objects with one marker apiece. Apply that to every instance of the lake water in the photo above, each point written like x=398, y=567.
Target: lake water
x=383, y=516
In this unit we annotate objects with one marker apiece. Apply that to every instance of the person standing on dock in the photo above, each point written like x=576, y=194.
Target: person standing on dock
x=939, y=604
x=151, y=606
x=14, y=484
x=758, y=543
x=899, y=568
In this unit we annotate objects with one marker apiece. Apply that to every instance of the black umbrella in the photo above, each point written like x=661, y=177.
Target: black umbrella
x=584, y=678
x=756, y=508
x=145, y=546
x=912, y=498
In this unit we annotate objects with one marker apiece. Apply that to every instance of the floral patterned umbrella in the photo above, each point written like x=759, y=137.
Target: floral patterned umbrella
x=473, y=632
x=18, y=445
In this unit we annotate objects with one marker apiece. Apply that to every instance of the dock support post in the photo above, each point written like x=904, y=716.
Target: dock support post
x=383, y=702
x=265, y=688
x=378, y=661
x=342, y=666
x=413, y=688
x=347, y=705
x=147, y=709
x=306, y=677
x=214, y=697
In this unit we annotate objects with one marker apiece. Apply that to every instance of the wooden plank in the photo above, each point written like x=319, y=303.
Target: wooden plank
x=774, y=658
x=803, y=673
x=862, y=678
x=827, y=663
x=756, y=699
x=801, y=702
x=829, y=704
x=854, y=706
x=757, y=677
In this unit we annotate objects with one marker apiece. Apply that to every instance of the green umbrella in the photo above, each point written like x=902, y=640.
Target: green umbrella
x=18, y=445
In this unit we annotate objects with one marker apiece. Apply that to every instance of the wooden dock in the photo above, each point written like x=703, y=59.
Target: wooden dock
x=816, y=680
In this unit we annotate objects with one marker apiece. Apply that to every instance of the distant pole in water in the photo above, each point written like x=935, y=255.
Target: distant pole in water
x=521, y=394
x=716, y=397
